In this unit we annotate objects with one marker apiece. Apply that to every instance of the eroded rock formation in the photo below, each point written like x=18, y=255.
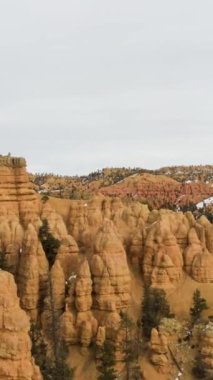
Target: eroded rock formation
x=110, y=270
x=104, y=242
x=159, y=351
x=16, y=362
x=159, y=190
x=206, y=347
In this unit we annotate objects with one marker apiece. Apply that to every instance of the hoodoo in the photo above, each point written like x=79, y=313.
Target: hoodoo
x=77, y=291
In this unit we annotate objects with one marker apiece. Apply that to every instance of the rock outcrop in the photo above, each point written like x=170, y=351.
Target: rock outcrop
x=159, y=351
x=68, y=331
x=163, y=345
x=16, y=362
x=111, y=280
x=202, y=267
x=83, y=288
x=193, y=249
x=206, y=347
x=28, y=273
x=163, y=261
x=16, y=194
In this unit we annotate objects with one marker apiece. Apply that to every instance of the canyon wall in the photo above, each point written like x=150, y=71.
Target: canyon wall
x=104, y=244
x=16, y=361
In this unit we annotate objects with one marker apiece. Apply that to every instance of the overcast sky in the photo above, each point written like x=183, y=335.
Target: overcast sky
x=86, y=84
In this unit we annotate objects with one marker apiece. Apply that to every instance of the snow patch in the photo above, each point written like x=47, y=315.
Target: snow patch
x=205, y=202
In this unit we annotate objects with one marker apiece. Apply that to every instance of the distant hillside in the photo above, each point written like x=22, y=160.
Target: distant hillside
x=165, y=187
x=188, y=173
x=159, y=191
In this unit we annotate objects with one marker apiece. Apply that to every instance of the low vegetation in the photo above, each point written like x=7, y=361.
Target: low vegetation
x=199, y=305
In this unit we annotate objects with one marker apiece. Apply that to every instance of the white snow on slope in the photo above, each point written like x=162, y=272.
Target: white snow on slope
x=205, y=202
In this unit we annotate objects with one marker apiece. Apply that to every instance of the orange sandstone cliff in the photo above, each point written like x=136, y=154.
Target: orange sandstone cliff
x=109, y=249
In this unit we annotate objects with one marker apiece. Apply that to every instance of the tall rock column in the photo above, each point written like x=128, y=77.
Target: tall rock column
x=28, y=273
x=111, y=279
x=16, y=362
x=163, y=261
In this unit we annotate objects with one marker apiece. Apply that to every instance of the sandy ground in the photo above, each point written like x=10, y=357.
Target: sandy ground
x=82, y=360
x=180, y=299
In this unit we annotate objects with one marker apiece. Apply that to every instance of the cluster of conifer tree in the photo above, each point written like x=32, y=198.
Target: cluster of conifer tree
x=53, y=365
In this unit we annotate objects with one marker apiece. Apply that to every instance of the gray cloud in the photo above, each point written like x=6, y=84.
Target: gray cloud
x=92, y=84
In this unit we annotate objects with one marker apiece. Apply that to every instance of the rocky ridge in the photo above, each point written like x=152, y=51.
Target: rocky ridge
x=166, y=187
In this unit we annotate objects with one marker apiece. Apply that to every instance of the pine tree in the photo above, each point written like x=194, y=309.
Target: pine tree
x=155, y=307
x=59, y=370
x=199, y=304
x=54, y=368
x=49, y=243
x=106, y=361
x=39, y=347
x=50, y=369
x=130, y=347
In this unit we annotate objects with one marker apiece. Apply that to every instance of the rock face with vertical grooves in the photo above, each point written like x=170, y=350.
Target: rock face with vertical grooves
x=16, y=193
x=110, y=271
x=163, y=261
x=206, y=348
x=16, y=362
x=159, y=351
